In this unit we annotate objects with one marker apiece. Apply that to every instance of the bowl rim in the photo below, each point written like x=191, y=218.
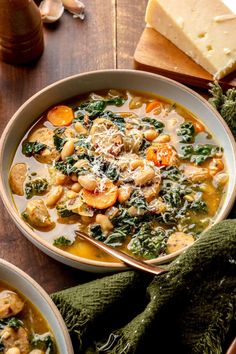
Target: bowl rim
x=52, y=250
x=41, y=293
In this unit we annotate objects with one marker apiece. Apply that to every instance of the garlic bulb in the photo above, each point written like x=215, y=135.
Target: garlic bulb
x=51, y=10
x=76, y=7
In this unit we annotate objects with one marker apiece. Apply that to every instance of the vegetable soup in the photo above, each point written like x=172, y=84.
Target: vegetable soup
x=136, y=171
x=23, y=330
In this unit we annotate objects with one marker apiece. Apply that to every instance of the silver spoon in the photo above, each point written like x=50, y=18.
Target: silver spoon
x=122, y=256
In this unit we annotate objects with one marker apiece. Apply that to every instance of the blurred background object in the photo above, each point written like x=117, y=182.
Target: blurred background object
x=21, y=34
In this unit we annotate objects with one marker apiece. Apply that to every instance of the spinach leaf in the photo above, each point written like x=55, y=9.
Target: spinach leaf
x=67, y=167
x=62, y=241
x=159, y=126
x=145, y=145
x=96, y=232
x=117, y=101
x=187, y=132
x=104, y=167
x=95, y=107
x=198, y=153
x=37, y=186
x=137, y=200
x=172, y=173
x=12, y=322
x=148, y=242
x=115, y=118
x=176, y=206
x=44, y=342
x=63, y=211
x=59, y=141
x=116, y=238
x=32, y=148
x=82, y=142
x=198, y=205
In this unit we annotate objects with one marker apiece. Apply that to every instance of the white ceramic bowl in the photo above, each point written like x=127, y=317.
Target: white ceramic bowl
x=98, y=80
x=20, y=281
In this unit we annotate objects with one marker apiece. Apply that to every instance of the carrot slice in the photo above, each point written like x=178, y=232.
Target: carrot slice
x=152, y=105
x=101, y=200
x=161, y=154
x=60, y=116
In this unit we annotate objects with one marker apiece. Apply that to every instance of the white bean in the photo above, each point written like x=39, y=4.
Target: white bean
x=88, y=182
x=150, y=134
x=67, y=150
x=54, y=196
x=76, y=187
x=144, y=176
x=124, y=193
x=71, y=194
x=13, y=350
x=81, y=163
x=165, y=138
x=60, y=178
x=136, y=163
x=104, y=222
x=80, y=128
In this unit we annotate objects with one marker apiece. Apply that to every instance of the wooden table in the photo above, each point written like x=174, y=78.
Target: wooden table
x=106, y=39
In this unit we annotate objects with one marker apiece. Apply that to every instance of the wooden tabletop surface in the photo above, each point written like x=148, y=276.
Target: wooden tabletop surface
x=105, y=39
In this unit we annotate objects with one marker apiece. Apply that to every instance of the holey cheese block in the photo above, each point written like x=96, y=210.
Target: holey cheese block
x=204, y=29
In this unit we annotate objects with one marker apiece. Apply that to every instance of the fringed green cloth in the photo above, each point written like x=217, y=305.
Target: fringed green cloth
x=190, y=309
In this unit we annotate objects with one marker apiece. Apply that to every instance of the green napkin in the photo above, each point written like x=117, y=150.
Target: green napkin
x=190, y=309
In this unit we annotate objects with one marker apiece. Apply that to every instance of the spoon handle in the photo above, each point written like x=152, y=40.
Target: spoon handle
x=123, y=256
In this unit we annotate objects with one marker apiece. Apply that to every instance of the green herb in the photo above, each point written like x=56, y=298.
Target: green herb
x=172, y=173
x=63, y=211
x=116, y=238
x=67, y=167
x=44, y=342
x=96, y=232
x=137, y=200
x=145, y=145
x=12, y=322
x=148, y=242
x=59, y=141
x=199, y=153
x=198, y=205
x=36, y=187
x=32, y=148
x=82, y=142
x=176, y=206
x=117, y=101
x=115, y=118
x=94, y=107
x=104, y=167
x=225, y=104
x=159, y=126
x=187, y=132
x=62, y=241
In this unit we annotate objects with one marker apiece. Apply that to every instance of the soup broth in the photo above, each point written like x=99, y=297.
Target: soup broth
x=136, y=171
x=22, y=326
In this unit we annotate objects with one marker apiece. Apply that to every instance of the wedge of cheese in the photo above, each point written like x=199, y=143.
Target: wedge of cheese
x=204, y=29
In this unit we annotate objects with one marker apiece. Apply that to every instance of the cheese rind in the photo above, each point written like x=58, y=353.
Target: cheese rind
x=191, y=26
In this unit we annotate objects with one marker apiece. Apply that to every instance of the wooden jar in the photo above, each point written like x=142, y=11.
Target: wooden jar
x=21, y=33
